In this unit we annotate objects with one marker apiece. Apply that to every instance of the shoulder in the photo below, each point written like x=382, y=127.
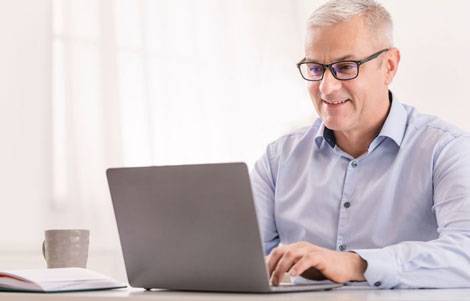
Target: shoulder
x=432, y=129
x=442, y=140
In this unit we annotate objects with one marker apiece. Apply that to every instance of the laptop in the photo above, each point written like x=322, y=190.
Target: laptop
x=192, y=227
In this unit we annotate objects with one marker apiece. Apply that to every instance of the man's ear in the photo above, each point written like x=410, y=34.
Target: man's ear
x=391, y=63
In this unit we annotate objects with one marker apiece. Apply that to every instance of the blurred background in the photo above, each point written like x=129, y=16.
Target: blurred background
x=86, y=85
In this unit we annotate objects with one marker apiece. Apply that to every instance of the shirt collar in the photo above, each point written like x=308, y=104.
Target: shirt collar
x=393, y=128
x=324, y=133
x=395, y=124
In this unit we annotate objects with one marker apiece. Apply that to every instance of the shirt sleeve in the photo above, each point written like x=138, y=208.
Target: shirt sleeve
x=263, y=185
x=445, y=261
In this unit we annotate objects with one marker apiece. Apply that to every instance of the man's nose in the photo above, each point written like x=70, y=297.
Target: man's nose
x=329, y=83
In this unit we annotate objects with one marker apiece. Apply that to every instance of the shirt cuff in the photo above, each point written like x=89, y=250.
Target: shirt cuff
x=382, y=269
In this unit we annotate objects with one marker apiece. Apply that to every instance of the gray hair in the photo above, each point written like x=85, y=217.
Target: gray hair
x=376, y=17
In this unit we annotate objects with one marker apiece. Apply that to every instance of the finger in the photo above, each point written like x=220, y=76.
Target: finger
x=284, y=264
x=310, y=260
x=266, y=259
x=273, y=258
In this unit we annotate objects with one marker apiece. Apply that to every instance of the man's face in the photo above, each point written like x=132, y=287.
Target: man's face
x=351, y=105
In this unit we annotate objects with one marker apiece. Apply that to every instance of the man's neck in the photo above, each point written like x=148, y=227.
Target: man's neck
x=356, y=142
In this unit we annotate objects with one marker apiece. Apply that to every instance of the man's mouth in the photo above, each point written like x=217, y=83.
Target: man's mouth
x=335, y=102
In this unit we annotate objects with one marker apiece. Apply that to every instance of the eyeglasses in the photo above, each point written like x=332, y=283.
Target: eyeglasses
x=343, y=70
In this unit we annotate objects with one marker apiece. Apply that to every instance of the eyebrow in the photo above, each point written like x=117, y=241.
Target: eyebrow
x=342, y=58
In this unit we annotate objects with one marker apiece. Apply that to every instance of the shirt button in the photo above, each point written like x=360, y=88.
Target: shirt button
x=342, y=247
x=354, y=164
x=378, y=283
x=347, y=205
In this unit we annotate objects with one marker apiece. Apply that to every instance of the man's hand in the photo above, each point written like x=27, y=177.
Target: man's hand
x=315, y=263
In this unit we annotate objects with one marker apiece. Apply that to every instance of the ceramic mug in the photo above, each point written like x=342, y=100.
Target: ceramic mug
x=64, y=248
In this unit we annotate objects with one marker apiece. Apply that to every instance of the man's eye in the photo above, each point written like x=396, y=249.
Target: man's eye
x=315, y=69
x=345, y=67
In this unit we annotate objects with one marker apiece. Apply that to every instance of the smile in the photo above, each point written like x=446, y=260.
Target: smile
x=334, y=102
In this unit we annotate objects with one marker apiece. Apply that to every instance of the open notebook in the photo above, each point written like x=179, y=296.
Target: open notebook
x=55, y=280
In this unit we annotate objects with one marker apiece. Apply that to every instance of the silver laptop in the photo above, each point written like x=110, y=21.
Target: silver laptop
x=192, y=227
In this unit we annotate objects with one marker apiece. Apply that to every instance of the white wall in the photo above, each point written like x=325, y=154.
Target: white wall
x=25, y=152
x=434, y=39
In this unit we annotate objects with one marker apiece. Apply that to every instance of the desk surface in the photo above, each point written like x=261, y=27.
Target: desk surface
x=342, y=294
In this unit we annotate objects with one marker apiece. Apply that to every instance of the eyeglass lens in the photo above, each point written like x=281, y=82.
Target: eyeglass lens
x=340, y=70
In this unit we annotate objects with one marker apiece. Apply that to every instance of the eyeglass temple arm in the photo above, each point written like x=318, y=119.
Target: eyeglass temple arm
x=372, y=56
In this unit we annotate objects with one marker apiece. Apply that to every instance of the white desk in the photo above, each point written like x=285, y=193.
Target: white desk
x=342, y=294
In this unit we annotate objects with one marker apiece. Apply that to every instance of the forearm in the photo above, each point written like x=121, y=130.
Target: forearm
x=441, y=263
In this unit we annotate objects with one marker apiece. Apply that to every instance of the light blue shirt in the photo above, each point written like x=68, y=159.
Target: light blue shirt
x=404, y=206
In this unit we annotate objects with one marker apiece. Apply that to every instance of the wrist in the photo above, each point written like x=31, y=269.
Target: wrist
x=359, y=267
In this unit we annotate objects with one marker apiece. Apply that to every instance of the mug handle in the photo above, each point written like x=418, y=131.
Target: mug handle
x=44, y=249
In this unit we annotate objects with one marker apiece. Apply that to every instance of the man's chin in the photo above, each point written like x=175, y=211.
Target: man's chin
x=335, y=125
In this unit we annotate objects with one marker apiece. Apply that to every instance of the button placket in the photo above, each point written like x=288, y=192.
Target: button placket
x=343, y=218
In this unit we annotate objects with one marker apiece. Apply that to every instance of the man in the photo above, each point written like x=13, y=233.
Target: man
x=373, y=190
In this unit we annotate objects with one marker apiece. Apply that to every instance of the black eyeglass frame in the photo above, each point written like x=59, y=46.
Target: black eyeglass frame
x=329, y=66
